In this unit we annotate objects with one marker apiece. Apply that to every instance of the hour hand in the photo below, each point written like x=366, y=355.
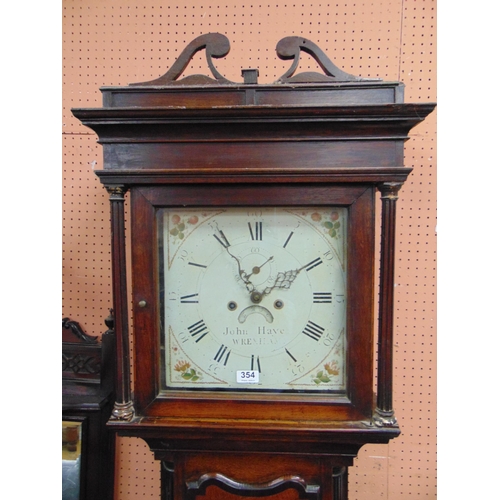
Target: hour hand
x=283, y=280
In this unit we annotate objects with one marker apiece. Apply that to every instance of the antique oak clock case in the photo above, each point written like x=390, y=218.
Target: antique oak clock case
x=253, y=259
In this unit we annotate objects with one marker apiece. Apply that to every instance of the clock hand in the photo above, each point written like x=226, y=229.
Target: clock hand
x=284, y=280
x=243, y=275
x=256, y=269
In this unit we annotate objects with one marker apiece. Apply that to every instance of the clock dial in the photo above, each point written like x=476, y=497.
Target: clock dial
x=254, y=298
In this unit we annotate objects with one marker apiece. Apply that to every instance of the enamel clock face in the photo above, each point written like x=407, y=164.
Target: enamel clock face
x=254, y=298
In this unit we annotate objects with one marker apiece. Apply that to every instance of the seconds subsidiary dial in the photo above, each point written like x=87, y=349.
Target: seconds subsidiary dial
x=254, y=298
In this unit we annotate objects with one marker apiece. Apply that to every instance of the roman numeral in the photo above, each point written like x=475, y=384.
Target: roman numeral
x=313, y=330
x=291, y=355
x=255, y=363
x=190, y=299
x=288, y=239
x=322, y=297
x=313, y=264
x=198, y=330
x=197, y=265
x=257, y=235
x=221, y=238
x=220, y=354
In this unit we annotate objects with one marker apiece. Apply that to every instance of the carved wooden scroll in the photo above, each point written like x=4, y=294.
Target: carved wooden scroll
x=75, y=328
x=290, y=47
x=217, y=45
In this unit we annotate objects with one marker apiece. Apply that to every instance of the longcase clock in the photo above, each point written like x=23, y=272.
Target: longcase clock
x=253, y=265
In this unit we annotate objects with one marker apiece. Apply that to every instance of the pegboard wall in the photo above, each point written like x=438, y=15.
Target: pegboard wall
x=116, y=42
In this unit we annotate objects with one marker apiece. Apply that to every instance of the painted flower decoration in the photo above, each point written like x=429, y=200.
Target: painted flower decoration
x=182, y=366
x=180, y=225
x=330, y=223
x=187, y=373
x=332, y=368
x=323, y=376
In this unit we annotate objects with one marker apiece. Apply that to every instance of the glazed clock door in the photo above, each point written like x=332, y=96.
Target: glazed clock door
x=253, y=293
x=254, y=298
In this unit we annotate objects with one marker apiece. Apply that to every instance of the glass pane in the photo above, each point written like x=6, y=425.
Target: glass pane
x=253, y=298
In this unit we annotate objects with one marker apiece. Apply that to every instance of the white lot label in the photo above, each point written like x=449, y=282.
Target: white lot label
x=247, y=377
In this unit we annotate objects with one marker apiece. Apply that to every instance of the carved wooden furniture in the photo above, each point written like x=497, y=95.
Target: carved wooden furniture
x=88, y=367
x=315, y=148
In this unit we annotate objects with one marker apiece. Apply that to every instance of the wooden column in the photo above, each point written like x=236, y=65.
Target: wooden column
x=384, y=413
x=340, y=479
x=123, y=408
x=167, y=480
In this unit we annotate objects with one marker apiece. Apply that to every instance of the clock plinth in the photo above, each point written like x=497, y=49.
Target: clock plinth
x=252, y=240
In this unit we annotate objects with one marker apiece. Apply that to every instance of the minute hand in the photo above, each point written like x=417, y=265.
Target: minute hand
x=243, y=275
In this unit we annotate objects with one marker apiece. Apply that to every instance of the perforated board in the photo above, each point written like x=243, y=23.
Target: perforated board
x=119, y=42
